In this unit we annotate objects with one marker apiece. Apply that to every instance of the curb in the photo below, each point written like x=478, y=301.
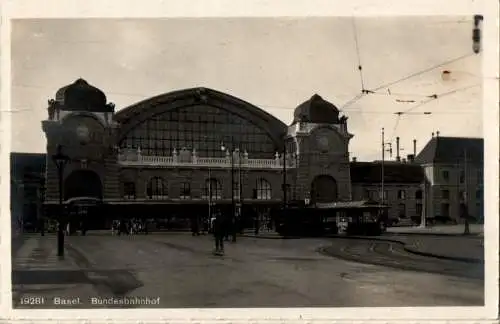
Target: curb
x=268, y=237
x=413, y=251
x=472, y=235
x=443, y=257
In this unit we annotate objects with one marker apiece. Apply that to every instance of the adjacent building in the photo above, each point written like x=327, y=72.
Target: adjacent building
x=27, y=174
x=453, y=170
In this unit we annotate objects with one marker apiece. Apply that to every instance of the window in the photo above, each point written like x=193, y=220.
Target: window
x=462, y=177
x=401, y=194
x=157, y=189
x=446, y=175
x=366, y=194
x=462, y=195
x=199, y=127
x=479, y=194
x=418, y=194
x=129, y=190
x=418, y=209
x=385, y=195
x=402, y=211
x=445, y=210
x=445, y=194
x=212, y=189
x=185, y=190
x=263, y=189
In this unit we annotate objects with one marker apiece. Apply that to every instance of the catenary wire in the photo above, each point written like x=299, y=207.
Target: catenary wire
x=389, y=84
x=438, y=96
x=431, y=98
x=360, y=67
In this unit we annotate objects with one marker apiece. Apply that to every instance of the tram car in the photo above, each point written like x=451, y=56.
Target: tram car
x=349, y=218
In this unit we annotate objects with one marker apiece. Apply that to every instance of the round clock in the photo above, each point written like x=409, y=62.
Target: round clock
x=82, y=132
x=323, y=143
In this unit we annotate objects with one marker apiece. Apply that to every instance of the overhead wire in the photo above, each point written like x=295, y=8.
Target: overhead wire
x=360, y=67
x=389, y=84
x=438, y=96
x=431, y=98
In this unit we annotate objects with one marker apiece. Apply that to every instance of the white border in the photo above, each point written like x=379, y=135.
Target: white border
x=267, y=8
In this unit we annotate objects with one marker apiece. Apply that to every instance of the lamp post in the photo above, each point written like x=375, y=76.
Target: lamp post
x=40, y=209
x=233, y=203
x=285, y=185
x=60, y=160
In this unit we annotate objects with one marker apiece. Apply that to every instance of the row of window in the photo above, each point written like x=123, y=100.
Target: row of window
x=445, y=175
x=157, y=189
x=445, y=194
x=401, y=194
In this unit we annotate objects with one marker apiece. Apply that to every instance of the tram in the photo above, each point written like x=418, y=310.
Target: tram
x=349, y=218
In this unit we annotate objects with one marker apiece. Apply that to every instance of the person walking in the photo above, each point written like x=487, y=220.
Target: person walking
x=219, y=231
x=195, y=228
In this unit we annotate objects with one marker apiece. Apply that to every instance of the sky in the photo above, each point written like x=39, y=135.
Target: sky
x=273, y=63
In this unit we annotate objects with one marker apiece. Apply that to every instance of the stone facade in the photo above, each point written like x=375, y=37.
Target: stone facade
x=94, y=142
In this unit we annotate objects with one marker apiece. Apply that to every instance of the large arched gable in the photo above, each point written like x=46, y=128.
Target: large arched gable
x=134, y=115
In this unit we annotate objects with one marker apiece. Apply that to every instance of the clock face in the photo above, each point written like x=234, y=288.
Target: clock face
x=82, y=132
x=323, y=143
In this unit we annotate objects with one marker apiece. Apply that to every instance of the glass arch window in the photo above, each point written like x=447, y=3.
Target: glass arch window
x=263, y=189
x=212, y=189
x=203, y=128
x=157, y=189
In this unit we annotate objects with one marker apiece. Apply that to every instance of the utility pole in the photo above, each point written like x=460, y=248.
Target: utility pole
x=240, y=182
x=466, y=196
x=209, y=194
x=284, y=186
x=423, y=215
x=382, y=175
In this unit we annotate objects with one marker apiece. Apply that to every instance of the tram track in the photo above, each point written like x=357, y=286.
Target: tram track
x=393, y=255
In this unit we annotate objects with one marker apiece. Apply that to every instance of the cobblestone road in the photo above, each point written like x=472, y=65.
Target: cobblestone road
x=182, y=272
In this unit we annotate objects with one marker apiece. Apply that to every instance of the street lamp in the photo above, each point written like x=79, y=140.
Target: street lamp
x=233, y=205
x=40, y=209
x=60, y=160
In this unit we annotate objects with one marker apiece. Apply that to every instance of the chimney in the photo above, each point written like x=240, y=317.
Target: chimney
x=398, y=158
x=410, y=158
x=437, y=134
x=354, y=159
x=433, y=134
x=414, y=147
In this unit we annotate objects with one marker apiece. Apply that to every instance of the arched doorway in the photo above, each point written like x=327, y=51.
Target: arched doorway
x=83, y=196
x=324, y=189
x=82, y=183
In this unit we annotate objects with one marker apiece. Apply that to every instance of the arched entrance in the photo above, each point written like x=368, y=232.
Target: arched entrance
x=324, y=189
x=83, y=197
x=82, y=183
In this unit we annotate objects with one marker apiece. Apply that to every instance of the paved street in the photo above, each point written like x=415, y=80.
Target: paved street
x=181, y=270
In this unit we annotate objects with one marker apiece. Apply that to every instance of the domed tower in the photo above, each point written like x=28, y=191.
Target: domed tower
x=80, y=122
x=321, y=143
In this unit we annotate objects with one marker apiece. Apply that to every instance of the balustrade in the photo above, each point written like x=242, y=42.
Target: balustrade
x=134, y=157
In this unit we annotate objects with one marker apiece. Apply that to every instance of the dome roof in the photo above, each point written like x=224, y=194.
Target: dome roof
x=316, y=110
x=81, y=96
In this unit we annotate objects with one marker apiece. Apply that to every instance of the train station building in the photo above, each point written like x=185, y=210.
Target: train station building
x=195, y=151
